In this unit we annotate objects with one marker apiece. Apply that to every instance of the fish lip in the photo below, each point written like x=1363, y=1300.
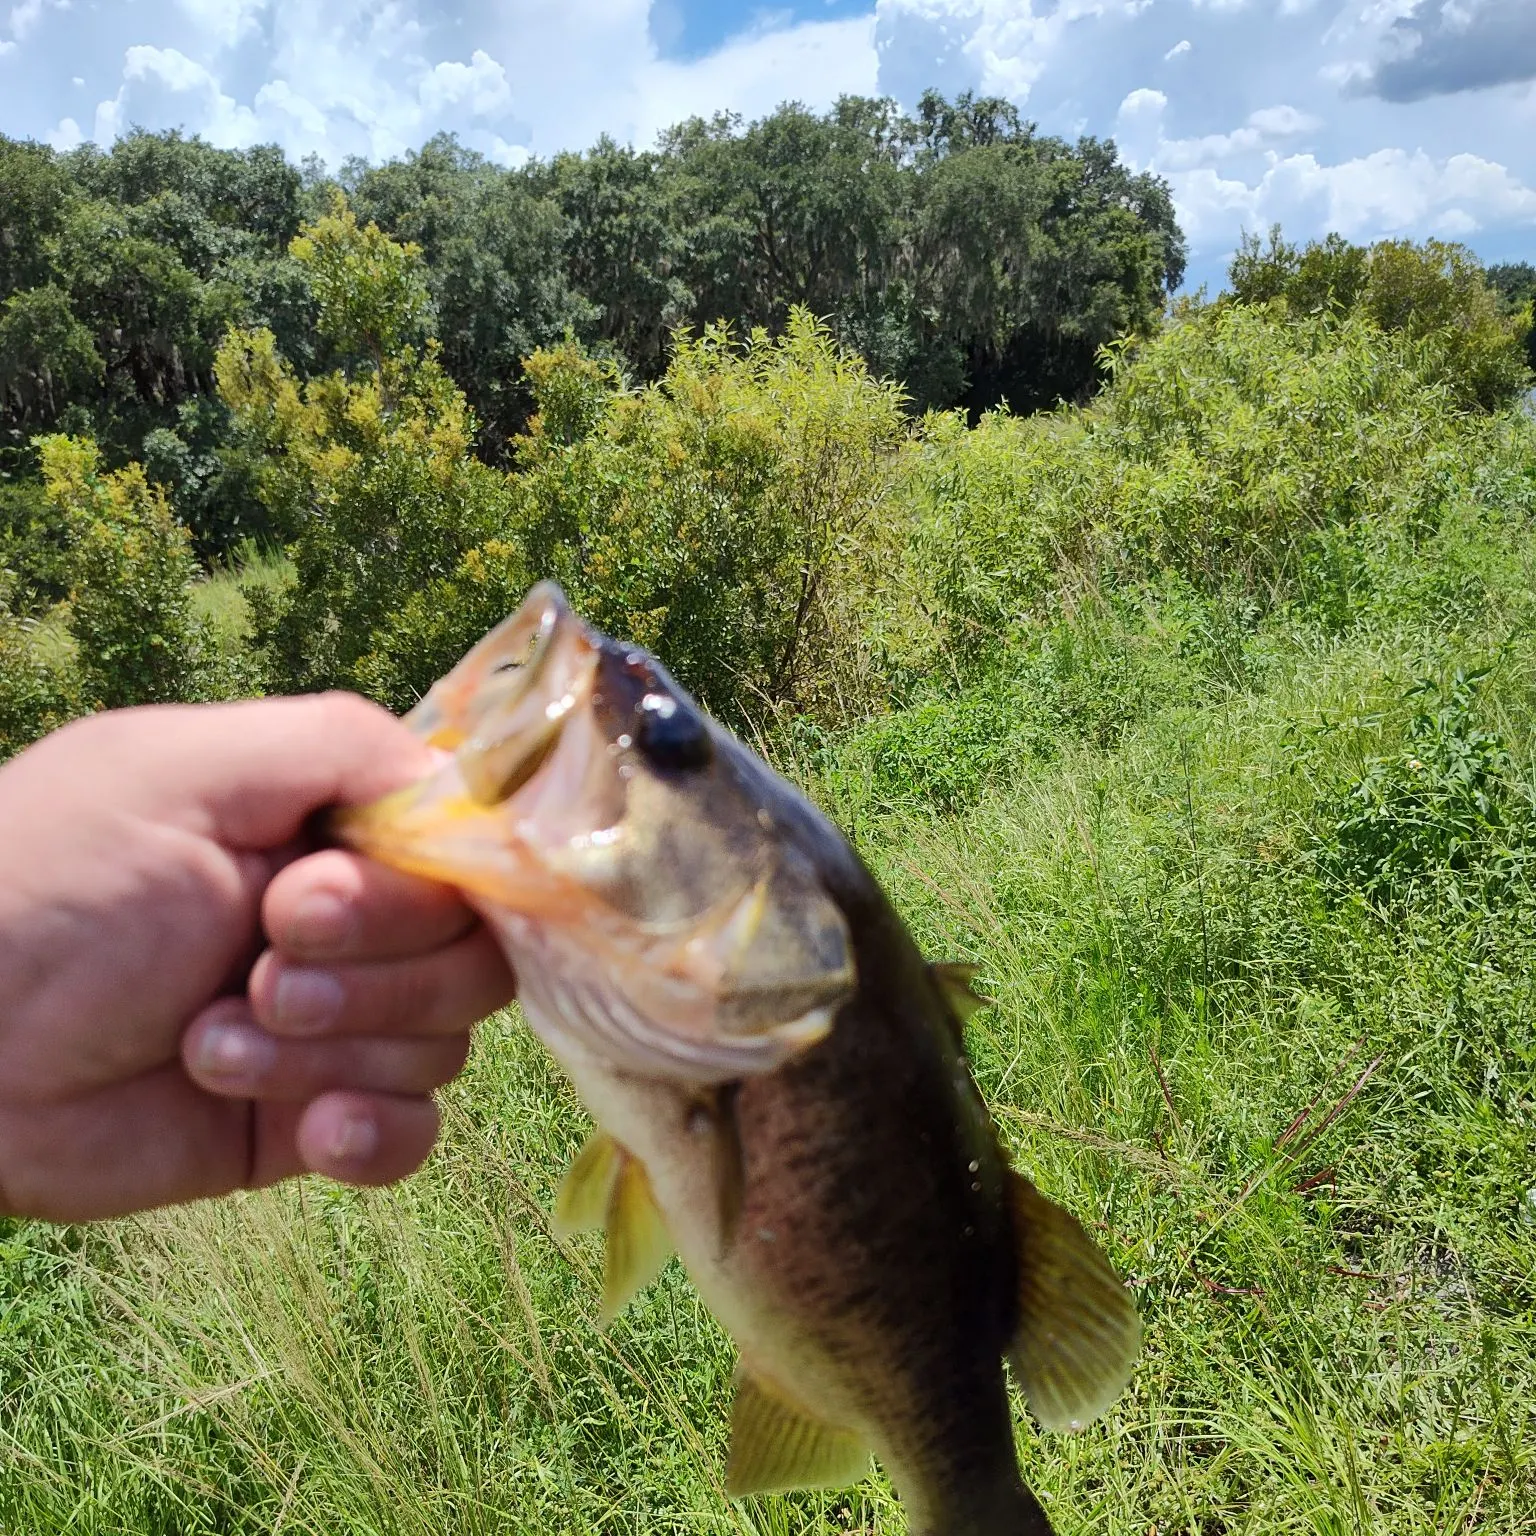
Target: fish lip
x=486, y=710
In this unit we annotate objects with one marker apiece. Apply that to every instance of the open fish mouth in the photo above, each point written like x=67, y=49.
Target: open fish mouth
x=621, y=847
x=502, y=708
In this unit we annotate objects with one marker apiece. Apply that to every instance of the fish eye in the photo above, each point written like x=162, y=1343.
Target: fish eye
x=672, y=735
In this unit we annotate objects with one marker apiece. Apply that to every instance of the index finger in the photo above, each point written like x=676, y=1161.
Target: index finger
x=258, y=770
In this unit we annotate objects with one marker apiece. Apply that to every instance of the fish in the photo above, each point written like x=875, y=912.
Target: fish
x=777, y=1076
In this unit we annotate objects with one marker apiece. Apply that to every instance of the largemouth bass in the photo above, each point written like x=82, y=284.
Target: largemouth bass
x=778, y=1078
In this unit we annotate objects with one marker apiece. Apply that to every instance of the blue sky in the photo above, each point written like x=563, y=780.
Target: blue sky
x=1372, y=117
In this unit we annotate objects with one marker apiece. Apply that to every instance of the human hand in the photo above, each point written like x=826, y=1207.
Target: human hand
x=150, y=1050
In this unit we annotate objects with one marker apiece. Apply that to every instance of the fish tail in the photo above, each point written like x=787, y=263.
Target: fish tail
x=1009, y=1509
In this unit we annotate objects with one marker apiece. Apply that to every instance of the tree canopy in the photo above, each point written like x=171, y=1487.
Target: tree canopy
x=966, y=256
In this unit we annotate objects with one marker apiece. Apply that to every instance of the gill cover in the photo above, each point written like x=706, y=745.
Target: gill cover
x=614, y=841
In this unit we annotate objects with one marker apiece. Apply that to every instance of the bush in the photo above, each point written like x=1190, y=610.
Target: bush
x=131, y=568
x=1439, y=814
x=1217, y=452
x=724, y=517
x=1435, y=293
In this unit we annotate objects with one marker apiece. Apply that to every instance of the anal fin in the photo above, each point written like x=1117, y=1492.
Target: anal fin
x=1078, y=1333
x=776, y=1447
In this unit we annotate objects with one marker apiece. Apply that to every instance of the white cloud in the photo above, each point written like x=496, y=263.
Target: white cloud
x=1389, y=192
x=1281, y=122
x=163, y=85
x=815, y=62
x=479, y=86
x=66, y=136
x=1181, y=47
x=24, y=17
x=224, y=22
x=171, y=67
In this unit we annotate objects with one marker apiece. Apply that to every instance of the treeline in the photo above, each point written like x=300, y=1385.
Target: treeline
x=767, y=514
x=960, y=252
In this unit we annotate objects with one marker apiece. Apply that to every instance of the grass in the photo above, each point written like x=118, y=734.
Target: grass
x=219, y=599
x=1300, y=1114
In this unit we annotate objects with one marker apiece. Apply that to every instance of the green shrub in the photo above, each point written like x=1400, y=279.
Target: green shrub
x=729, y=517
x=1440, y=813
x=34, y=696
x=131, y=568
x=1217, y=452
x=1436, y=292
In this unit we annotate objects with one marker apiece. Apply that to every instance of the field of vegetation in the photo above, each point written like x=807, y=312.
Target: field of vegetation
x=1201, y=716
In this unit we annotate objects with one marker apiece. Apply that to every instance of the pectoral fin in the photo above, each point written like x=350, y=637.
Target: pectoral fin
x=638, y=1241
x=775, y=1447
x=1078, y=1331
x=607, y=1188
x=582, y=1204
x=713, y=1114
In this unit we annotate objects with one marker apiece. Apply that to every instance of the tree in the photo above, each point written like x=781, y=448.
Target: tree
x=1433, y=292
x=1515, y=283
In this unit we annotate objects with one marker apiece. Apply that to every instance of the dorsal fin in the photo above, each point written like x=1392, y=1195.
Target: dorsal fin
x=776, y=1447
x=1078, y=1331
x=954, y=979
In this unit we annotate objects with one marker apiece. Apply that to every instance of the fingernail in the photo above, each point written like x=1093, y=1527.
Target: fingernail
x=355, y=1139
x=304, y=1001
x=233, y=1051
x=322, y=920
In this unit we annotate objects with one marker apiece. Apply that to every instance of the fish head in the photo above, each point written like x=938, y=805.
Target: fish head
x=625, y=847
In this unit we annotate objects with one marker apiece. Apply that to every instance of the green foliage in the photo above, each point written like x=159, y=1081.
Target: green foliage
x=1442, y=809
x=1434, y=292
x=35, y=696
x=373, y=481
x=46, y=354
x=1515, y=284
x=1219, y=451
x=725, y=516
x=371, y=290
x=131, y=566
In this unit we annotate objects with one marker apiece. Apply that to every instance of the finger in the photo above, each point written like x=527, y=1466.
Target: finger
x=366, y=1138
x=257, y=770
x=441, y=993
x=335, y=905
x=226, y=1053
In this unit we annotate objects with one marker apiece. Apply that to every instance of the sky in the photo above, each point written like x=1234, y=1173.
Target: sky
x=1374, y=118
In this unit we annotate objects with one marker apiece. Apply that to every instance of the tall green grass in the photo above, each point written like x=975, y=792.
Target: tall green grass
x=1296, y=1102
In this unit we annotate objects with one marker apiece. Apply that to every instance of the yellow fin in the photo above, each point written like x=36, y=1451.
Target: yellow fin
x=582, y=1204
x=1078, y=1330
x=638, y=1241
x=955, y=979
x=775, y=1447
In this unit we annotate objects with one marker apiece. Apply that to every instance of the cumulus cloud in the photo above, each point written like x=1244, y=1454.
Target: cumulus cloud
x=1267, y=108
x=815, y=62
x=1439, y=47
x=999, y=47
x=1141, y=130
x=1389, y=192
x=480, y=86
